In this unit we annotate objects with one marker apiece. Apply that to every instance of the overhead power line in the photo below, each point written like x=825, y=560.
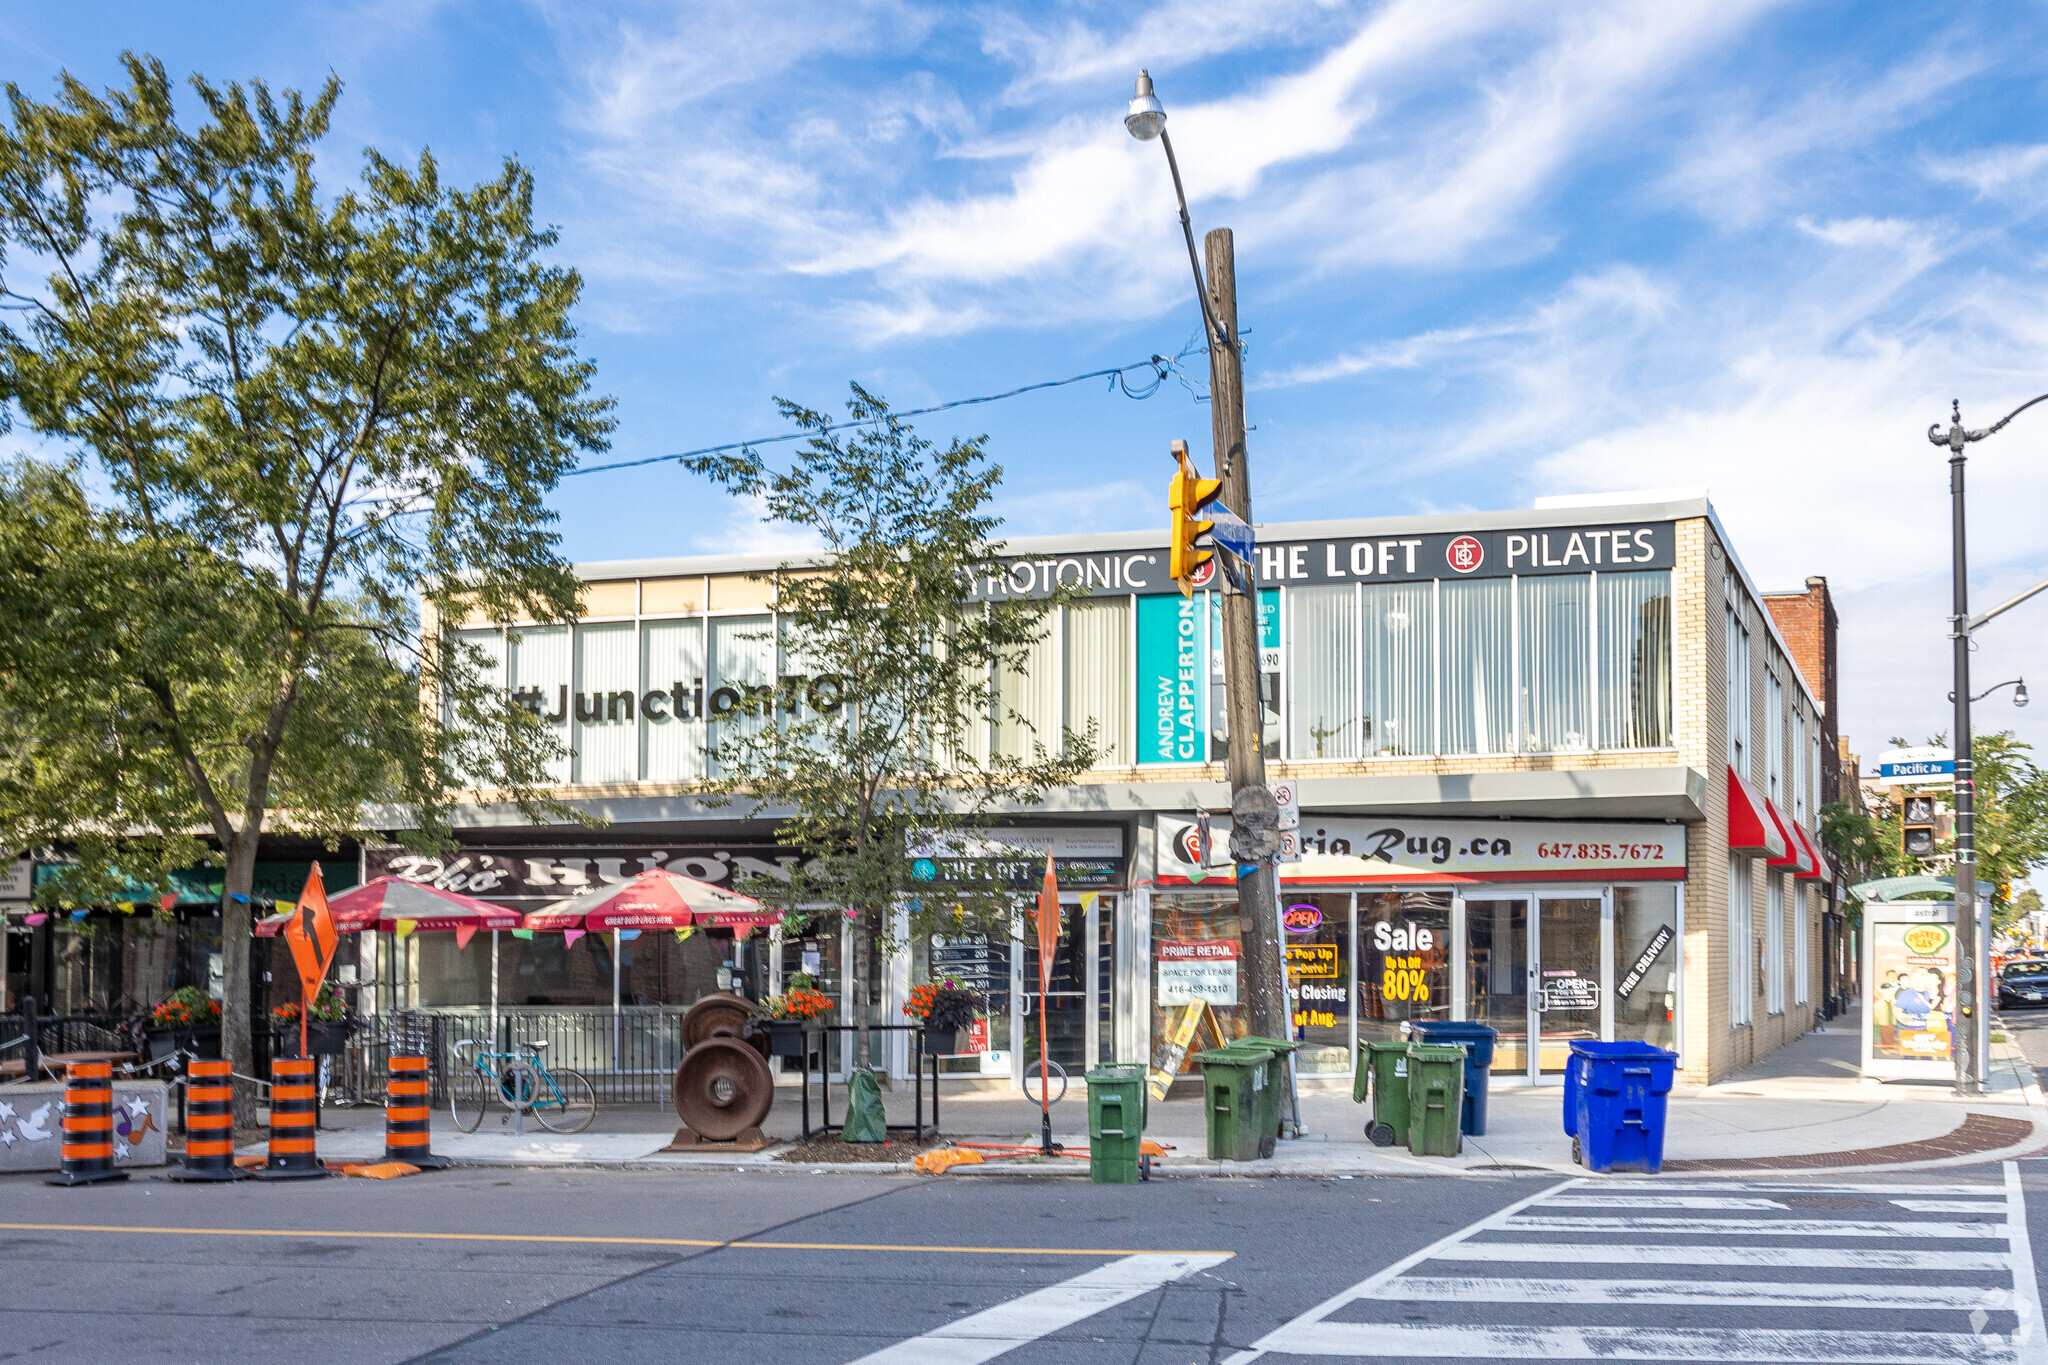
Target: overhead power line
x=1159, y=365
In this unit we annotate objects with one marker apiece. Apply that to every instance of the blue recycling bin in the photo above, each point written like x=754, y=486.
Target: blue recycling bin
x=1618, y=1093
x=1477, y=1040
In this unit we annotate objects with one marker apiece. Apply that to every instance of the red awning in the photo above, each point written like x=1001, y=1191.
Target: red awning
x=1750, y=826
x=1791, y=856
x=1814, y=866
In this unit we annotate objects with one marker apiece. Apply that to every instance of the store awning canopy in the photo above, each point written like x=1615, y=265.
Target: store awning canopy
x=1914, y=888
x=655, y=900
x=390, y=903
x=1751, y=828
x=1815, y=865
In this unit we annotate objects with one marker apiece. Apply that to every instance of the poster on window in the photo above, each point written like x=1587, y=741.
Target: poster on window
x=1192, y=969
x=1913, y=991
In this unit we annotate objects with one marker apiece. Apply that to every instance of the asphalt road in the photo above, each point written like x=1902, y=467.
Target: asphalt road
x=794, y=1269
x=2028, y=1028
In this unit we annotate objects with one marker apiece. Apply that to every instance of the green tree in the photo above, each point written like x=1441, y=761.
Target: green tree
x=876, y=742
x=273, y=417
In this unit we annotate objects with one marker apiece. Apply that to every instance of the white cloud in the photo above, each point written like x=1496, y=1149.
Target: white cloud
x=1995, y=171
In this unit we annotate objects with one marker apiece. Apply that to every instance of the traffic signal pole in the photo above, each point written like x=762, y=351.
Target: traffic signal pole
x=1258, y=891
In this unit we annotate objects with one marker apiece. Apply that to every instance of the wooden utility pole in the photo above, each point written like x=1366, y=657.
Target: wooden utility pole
x=1258, y=891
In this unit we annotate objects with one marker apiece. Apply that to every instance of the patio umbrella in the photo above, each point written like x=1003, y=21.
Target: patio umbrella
x=655, y=900
x=386, y=902
x=395, y=904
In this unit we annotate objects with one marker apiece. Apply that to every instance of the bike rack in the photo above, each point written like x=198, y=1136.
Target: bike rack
x=825, y=1124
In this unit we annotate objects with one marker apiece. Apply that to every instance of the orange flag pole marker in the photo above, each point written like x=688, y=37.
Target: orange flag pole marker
x=1048, y=944
x=310, y=932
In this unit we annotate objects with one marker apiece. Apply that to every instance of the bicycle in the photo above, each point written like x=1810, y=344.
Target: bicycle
x=562, y=1100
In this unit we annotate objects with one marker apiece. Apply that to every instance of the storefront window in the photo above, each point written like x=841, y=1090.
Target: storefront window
x=1645, y=970
x=1556, y=664
x=658, y=969
x=1635, y=660
x=672, y=731
x=1197, y=950
x=1404, y=960
x=1099, y=676
x=1319, y=979
x=1497, y=976
x=1476, y=616
x=1399, y=626
x=536, y=971
x=1323, y=718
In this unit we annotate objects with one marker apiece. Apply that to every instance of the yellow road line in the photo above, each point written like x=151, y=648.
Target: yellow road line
x=345, y=1235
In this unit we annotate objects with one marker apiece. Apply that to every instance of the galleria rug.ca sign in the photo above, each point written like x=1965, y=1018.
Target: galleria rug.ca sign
x=1341, y=850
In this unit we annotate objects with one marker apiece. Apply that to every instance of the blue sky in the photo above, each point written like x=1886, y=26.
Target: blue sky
x=1486, y=251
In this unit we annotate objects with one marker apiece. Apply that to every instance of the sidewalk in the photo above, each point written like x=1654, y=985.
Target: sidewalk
x=1803, y=1108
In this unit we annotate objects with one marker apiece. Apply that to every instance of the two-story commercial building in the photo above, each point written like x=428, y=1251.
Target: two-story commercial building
x=1556, y=771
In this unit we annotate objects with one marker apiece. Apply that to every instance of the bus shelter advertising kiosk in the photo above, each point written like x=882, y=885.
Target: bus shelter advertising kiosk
x=1909, y=990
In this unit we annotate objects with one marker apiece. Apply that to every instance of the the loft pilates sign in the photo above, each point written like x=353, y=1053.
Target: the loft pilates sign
x=1605, y=547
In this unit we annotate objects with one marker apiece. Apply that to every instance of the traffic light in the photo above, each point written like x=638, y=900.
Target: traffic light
x=1185, y=496
x=1919, y=823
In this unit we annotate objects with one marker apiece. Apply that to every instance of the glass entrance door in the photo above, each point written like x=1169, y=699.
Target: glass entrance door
x=1497, y=976
x=1071, y=1015
x=1564, y=1001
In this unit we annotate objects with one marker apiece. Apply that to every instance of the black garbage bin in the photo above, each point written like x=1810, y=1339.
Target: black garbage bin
x=1477, y=1040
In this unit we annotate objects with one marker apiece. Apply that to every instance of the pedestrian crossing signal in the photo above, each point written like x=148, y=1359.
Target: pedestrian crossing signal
x=1919, y=826
x=1186, y=495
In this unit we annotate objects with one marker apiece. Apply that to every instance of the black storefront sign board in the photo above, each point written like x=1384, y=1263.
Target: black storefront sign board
x=1451, y=555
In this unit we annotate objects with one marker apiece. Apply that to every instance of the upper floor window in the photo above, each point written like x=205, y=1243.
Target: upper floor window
x=1774, y=737
x=1735, y=656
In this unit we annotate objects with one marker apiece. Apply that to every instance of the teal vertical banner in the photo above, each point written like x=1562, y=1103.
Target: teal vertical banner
x=1170, y=681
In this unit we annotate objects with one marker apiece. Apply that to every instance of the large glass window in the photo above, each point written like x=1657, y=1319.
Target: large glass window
x=1269, y=676
x=1476, y=657
x=1556, y=659
x=1398, y=625
x=1741, y=944
x=1322, y=715
x=1099, y=676
x=537, y=665
x=1774, y=943
x=672, y=722
x=1736, y=660
x=1645, y=970
x=742, y=660
x=607, y=703
x=1635, y=660
x=1404, y=960
x=1774, y=737
x=1197, y=953
x=1028, y=699
x=1319, y=979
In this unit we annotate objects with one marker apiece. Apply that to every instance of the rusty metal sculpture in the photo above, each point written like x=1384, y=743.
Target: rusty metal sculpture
x=723, y=1089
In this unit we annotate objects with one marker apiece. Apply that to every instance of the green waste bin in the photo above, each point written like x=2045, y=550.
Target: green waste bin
x=1436, y=1095
x=1276, y=1076
x=1385, y=1064
x=1116, y=1125
x=1236, y=1093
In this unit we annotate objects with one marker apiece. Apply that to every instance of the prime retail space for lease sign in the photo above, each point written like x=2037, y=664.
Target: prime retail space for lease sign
x=1342, y=850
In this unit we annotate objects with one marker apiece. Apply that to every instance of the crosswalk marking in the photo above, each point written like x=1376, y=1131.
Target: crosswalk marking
x=1416, y=1341
x=1965, y=1294
x=1808, y=1258
x=1474, y=1289
x=989, y=1333
x=1749, y=1227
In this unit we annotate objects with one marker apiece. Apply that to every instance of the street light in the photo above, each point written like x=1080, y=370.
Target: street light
x=2019, y=694
x=1254, y=838
x=1969, y=988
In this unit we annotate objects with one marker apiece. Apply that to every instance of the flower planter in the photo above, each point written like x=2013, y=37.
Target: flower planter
x=785, y=1037
x=941, y=1042
x=201, y=1042
x=322, y=1040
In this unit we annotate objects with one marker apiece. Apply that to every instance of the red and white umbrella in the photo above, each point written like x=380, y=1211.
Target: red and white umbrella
x=655, y=900
x=392, y=903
